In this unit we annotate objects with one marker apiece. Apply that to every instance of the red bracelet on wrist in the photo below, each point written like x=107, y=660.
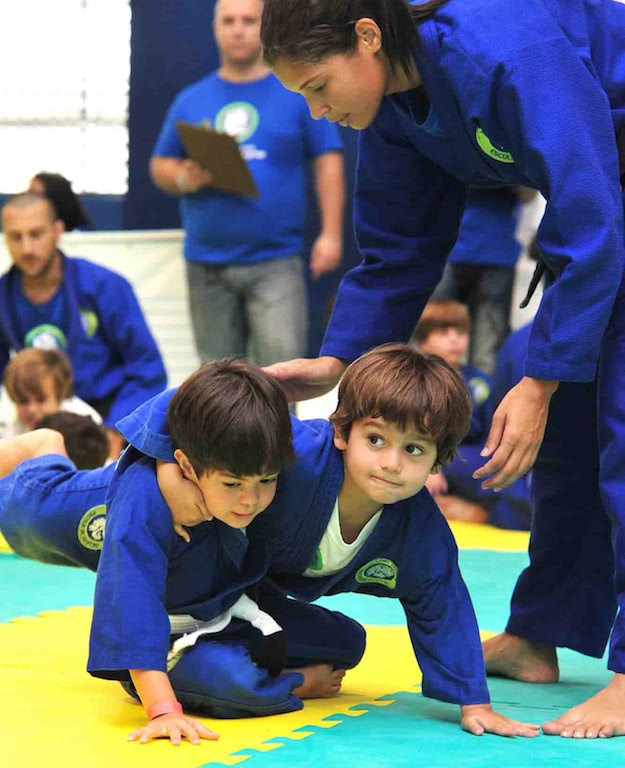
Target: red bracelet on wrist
x=163, y=708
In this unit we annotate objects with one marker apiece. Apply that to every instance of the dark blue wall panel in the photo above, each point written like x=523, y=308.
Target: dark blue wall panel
x=171, y=46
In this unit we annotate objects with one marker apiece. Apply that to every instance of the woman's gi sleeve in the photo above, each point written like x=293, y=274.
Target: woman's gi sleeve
x=442, y=624
x=559, y=127
x=130, y=627
x=407, y=214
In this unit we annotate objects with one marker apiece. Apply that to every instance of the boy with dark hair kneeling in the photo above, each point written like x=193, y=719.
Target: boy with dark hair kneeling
x=353, y=514
x=232, y=437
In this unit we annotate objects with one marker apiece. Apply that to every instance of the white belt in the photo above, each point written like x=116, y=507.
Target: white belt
x=244, y=608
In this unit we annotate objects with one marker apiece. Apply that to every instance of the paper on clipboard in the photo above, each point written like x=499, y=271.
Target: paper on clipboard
x=218, y=153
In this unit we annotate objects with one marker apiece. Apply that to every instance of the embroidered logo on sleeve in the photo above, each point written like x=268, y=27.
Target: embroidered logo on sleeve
x=487, y=146
x=91, y=527
x=89, y=321
x=379, y=571
x=480, y=390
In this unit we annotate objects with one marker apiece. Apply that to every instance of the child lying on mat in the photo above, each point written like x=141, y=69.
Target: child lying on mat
x=353, y=515
x=50, y=510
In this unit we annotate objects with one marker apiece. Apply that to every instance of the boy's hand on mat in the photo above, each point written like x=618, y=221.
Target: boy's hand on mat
x=304, y=378
x=479, y=719
x=516, y=433
x=174, y=726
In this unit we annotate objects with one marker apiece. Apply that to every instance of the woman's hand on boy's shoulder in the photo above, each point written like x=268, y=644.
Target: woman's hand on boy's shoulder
x=173, y=726
x=479, y=719
x=303, y=378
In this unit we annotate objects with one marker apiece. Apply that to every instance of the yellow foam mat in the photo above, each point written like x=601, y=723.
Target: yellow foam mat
x=474, y=536
x=54, y=713
x=4, y=547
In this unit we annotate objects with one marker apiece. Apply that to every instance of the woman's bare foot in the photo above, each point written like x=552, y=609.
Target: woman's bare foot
x=507, y=655
x=320, y=681
x=601, y=716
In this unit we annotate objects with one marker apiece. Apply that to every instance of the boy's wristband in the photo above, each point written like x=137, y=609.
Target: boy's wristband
x=163, y=708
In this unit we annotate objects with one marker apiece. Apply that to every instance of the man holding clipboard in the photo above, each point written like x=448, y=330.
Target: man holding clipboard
x=243, y=253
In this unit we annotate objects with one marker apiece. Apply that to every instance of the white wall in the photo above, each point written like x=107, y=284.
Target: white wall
x=153, y=263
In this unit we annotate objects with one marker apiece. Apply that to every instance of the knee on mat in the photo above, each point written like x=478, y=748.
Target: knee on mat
x=352, y=639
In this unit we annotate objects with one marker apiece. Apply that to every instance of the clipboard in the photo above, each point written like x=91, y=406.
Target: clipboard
x=218, y=153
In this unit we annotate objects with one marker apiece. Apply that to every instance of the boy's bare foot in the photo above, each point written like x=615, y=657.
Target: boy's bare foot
x=320, y=681
x=455, y=508
x=601, y=716
x=507, y=655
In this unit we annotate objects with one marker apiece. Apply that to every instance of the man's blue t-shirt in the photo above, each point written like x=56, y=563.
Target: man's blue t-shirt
x=278, y=138
x=488, y=230
x=40, y=325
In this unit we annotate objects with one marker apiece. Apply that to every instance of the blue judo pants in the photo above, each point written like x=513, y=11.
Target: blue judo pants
x=570, y=593
x=218, y=677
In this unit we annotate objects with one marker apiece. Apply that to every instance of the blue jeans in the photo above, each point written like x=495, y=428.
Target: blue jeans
x=258, y=311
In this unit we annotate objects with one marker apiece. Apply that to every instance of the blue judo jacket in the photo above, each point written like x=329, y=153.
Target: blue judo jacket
x=146, y=572
x=411, y=554
x=528, y=93
x=109, y=343
x=54, y=513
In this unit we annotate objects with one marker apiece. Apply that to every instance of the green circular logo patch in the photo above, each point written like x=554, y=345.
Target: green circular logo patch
x=91, y=527
x=378, y=571
x=238, y=119
x=45, y=337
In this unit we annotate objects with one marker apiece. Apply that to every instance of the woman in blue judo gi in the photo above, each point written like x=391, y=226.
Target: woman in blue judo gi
x=452, y=93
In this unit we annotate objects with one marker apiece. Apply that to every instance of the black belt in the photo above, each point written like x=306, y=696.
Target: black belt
x=540, y=268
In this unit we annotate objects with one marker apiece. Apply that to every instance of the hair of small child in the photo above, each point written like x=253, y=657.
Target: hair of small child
x=309, y=31
x=28, y=367
x=86, y=442
x=399, y=384
x=442, y=313
x=230, y=415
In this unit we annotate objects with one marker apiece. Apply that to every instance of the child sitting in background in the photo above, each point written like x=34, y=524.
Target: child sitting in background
x=444, y=330
x=40, y=382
